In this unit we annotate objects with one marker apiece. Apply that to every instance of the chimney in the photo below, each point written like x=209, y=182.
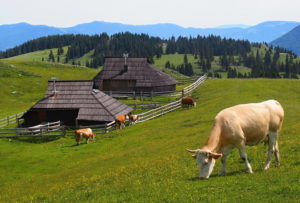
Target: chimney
x=54, y=85
x=125, y=55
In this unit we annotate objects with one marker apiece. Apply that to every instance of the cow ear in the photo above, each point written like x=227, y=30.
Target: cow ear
x=194, y=156
x=214, y=155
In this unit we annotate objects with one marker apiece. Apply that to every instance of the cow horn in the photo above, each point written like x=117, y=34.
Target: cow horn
x=192, y=151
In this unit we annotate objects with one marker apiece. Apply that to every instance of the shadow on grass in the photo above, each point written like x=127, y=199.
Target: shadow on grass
x=37, y=140
x=297, y=163
x=233, y=173
x=197, y=123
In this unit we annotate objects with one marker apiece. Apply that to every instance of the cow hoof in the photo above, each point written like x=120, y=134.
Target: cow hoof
x=249, y=171
x=277, y=164
x=222, y=174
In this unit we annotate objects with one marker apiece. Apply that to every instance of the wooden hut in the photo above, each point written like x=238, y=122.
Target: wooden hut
x=74, y=102
x=132, y=74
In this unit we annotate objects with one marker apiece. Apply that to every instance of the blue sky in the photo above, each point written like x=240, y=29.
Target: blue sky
x=187, y=13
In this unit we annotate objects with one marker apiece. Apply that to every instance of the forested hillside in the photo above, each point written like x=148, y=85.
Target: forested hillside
x=213, y=54
x=290, y=40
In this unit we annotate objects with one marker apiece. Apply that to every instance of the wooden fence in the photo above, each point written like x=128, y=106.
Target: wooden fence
x=176, y=94
x=100, y=129
x=173, y=105
x=159, y=111
x=43, y=130
x=10, y=119
x=56, y=129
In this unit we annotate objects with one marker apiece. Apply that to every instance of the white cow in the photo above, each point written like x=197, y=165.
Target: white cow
x=238, y=126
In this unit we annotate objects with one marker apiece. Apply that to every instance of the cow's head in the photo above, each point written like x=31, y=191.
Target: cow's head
x=206, y=161
x=93, y=136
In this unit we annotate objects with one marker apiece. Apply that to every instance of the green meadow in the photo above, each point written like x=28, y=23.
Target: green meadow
x=23, y=83
x=147, y=162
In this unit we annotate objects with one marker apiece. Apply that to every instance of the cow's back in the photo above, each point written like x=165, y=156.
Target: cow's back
x=250, y=121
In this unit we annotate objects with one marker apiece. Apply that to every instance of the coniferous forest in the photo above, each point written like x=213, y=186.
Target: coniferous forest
x=230, y=53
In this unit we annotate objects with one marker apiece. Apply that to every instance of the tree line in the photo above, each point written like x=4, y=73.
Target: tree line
x=230, y=53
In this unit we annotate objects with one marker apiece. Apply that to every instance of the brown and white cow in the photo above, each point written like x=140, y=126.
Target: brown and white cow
x=187, y=102
x=133, y=118
x=86, y=133
x=236, y=127
x=120, y=121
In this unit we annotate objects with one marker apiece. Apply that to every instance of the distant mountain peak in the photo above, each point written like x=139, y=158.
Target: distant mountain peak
x=290, y=40
x=233, y=26
x=16, y=34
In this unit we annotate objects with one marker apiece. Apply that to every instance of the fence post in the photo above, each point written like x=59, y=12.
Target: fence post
x=110, y=93
x=141, y=95
x=151, y=95
x=182, y=93
x=134, y=95
x=63, y=131
x=106, y=130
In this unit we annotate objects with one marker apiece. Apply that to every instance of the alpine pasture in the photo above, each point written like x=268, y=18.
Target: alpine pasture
x=148, y=162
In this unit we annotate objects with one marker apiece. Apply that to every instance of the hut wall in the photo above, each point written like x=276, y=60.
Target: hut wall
x=67, y=116
x=164, y=88
x=118, y=85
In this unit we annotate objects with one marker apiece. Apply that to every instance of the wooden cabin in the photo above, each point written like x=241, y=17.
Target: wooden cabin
x=132, y=74
x=74, y=103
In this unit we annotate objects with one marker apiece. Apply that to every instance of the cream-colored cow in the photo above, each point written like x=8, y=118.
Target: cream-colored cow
x=236, y=127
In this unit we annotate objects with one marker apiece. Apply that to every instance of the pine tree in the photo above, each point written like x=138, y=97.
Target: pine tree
x=168, y=65
x=51, y=56
x=185, y=59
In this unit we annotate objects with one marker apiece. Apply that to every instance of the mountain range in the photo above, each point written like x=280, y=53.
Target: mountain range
x=290, y=40
x=16, y=34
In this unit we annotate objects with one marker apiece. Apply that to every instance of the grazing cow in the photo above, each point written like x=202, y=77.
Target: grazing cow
x=188, y=101
x=238, y=126
x=86, y=133
x=133, y=118
x=120, y=121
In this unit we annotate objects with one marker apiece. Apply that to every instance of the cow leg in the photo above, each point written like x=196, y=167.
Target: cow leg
x=77, y=139
x=277, y=157
x=243, y=154
x=87, y=140
x=223, y=161
x=272, y=149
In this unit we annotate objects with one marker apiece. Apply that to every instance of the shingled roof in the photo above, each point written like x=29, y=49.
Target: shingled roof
x=138, y=69
x=93, y=105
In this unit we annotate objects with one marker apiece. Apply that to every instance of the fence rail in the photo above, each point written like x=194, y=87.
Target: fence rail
x=171, y=106
x=13, y=119
x=100, y=129
x=43, y=130
x=56, y=129
x=176, y=93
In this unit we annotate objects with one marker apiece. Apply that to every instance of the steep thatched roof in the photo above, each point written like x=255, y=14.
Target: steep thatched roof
x=138, y=69
x=93, y=105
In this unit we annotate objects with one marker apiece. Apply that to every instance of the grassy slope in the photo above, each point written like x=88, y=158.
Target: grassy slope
x=139, y=164
x=176, y=59
x=39, y=55
x=28, y=81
